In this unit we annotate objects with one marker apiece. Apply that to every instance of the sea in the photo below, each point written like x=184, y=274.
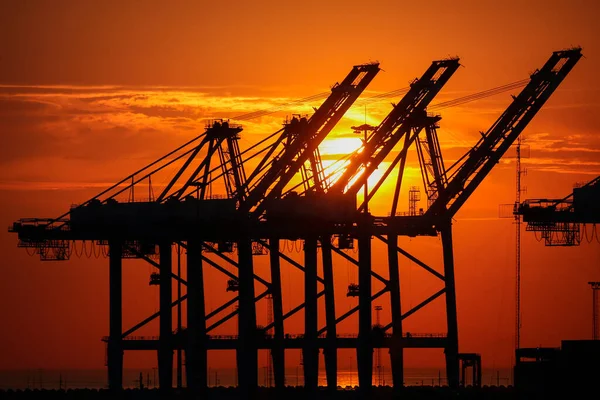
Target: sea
x=97, y=378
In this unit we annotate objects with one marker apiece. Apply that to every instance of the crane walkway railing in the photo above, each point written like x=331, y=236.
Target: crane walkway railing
x=288, y=336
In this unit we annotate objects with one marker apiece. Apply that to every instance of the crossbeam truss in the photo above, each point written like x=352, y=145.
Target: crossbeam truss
x=263, y=208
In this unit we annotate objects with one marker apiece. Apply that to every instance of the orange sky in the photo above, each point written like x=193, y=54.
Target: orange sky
x=90, y=91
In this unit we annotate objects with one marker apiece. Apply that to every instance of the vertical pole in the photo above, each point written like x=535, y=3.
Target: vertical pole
x=366, y=194
x=518, y=250
x=452, y=364
x=115, y=341
x=310, y=349
x=400, y=175
x=397, y=345
x=365, y=346
x=246, y=353
x=196, y=357
x=278, y=351
x=165, y=346
x=330, y=349
x=179, y=360
x=378, y=351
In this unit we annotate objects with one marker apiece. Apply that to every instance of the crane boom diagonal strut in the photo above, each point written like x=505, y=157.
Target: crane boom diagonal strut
x=496, y=141
x=302, y=139
x=398, y=123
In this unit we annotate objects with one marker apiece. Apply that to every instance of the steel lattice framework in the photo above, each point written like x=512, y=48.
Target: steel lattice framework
x=266, y=206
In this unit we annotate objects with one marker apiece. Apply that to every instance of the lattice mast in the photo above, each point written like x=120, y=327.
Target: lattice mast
x=518, y=249
x=414, y=196
x=300, y=140
x=404, y=122
x=467, y=173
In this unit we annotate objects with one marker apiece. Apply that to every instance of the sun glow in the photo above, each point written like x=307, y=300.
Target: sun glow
x=340, y=146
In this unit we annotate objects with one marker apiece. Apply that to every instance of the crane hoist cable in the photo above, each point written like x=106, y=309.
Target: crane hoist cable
x=385, y=95
x=479, y=95
x=256, y=114
x=318, y=96
x=443, y=105
x=392, y=93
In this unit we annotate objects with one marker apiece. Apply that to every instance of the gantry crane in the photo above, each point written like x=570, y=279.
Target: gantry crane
x=299, y=144
x=255, y=211
x=447, y=190
x=337, y=203
x=465, y=175
x=301, y=139
x=562, y=221
x=185, y=212
x=406, y=119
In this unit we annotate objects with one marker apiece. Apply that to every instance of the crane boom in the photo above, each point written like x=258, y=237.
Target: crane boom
x=493, y=144
x=404, y=116
x=304, y=137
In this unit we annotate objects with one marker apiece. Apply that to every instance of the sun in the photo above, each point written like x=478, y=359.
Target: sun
x=340, y=146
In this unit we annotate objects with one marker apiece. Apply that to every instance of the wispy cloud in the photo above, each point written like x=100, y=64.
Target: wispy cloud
x=102, y=127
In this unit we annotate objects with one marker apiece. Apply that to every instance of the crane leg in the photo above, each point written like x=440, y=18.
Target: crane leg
x=310, y=350
x=330, y=350
x=196, y=357
x=278, y=351
x=246, y=354
x=397, y=346
x=451, y=351
x=165, y=346
x=365, y=346
x=115, y=342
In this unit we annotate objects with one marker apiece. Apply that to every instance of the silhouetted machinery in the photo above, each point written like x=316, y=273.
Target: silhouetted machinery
x=233, y=285
x=563, y=222
x=353, y=290
x=269, y=205
x=154, y=279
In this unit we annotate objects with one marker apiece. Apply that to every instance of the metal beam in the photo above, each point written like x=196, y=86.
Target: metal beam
x=115, y=341
x=295, y=310
x=151, y=318
x=234, y=313
x=396, y=347
x=352, y=311
x=414, y=259
x=288, y=259
x=278, y=350
x=154, y=263
x=165, y=346
x=418, y=306
x=354, y=262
